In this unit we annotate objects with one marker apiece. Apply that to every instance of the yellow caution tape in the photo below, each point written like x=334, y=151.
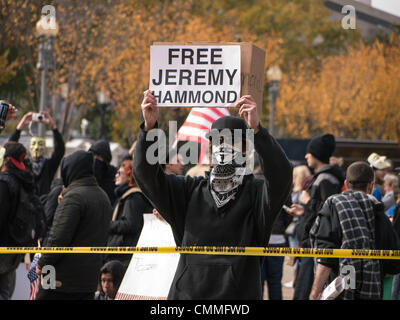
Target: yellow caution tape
x=216, y=250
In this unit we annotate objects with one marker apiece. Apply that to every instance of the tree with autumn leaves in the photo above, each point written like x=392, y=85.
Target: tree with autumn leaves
x=339, y=84
x=354, y=95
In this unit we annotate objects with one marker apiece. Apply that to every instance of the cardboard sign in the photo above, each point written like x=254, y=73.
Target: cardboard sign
x=252, y=65
x=149, y=276
x=195, y=75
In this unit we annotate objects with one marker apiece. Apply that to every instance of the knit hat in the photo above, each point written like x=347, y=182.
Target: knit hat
x=16, y=152
x=230, y=123
x=378, y=162
x=322, y=147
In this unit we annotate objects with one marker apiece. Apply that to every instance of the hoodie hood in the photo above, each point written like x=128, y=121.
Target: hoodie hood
x=117, y=270
x=102, y=148
x=19, y=178
x=76, y=166
x=334, y=170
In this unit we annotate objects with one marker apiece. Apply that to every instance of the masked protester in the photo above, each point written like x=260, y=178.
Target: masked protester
x=14, y=179
x=81, y=220
x=43, y=168
x=103, y=170
x=230, y=207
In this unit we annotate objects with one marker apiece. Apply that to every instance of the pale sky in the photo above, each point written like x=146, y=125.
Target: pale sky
x=391, y=6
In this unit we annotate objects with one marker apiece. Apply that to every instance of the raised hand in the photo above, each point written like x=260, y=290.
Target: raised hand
x=26, y=119
x=12, y=112
x=48, y=120
x=149, y=110
x=248, y=110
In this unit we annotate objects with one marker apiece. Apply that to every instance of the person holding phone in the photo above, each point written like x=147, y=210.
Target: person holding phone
x=7, y=112
x=43, y=168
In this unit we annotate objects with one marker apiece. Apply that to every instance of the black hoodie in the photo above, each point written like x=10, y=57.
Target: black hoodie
x=102, y=148
x=11, y=182
x=326, y=182
x=81, y=220
x=76, y=166
x=187, y=205
x=103, y=170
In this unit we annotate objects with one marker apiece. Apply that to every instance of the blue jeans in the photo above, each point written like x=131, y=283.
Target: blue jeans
x=271, y=272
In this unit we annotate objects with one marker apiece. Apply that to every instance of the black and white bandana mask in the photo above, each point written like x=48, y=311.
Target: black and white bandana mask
x=226, y=176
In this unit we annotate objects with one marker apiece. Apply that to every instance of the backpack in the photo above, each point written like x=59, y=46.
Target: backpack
x=27, y=225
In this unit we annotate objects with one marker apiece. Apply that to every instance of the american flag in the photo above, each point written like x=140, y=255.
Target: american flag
x=33, y=277
x=197, y=124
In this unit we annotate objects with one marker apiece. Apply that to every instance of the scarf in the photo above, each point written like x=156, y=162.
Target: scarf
x=226, y=176
x=37, y=166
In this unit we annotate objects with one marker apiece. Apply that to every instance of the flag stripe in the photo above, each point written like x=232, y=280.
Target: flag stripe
x=221, y=112
x=197, y=124
x=198, y=120
x=203, y=115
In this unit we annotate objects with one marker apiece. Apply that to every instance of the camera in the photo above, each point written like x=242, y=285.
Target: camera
x=37, y=117
x=4, y=106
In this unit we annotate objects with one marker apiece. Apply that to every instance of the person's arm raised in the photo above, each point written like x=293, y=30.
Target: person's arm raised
x=167, y=192
x=26, y=119
x=149, y=110
x=276, y=167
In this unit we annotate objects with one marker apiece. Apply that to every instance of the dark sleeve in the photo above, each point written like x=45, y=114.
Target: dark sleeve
x=5, y=197
x=15, y=136
x=326, y=189
x=276, y=169
x=326, y=233
x=131, y=219
x=318, y=193
x=58, y=152
x=396, y=219
x=65, y=223
x=51, y=204
x=168, y=193
x=386, y=238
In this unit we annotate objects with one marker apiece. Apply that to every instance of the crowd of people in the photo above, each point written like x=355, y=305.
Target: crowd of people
x=94, y=204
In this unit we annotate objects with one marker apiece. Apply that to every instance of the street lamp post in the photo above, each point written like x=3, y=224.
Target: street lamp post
x=104, y=103
x=47, y=30
x=274, y=75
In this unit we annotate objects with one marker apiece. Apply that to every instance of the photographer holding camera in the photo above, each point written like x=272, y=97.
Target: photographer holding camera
x=43, y=168
x=7, y=112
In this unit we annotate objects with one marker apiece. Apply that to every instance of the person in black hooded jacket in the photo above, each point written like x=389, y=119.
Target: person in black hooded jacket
x=13, y=178
x=103, y=170
x=81, y=220
x=327, y=180
x=230, y=207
